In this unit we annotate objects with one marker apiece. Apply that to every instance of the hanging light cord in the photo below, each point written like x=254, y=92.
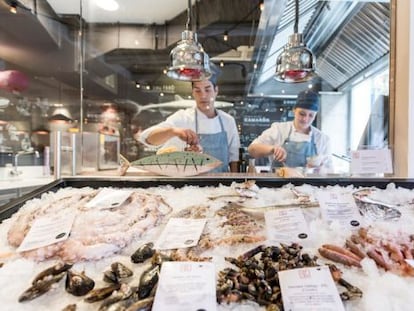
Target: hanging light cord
x=295, y=27
x=188, y=25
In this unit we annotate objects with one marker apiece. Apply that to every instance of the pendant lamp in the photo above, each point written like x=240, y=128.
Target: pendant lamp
x=188, y=60
x=296, y=63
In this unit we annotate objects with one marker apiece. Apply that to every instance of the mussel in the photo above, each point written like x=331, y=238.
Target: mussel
x=143, y=253
x=40, y=287
x=54, y=270
x=118, y=272
x=78, y=284
x=148, y=281
x=102, y=293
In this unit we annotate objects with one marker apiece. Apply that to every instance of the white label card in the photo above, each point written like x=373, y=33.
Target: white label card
x=186, y=286
x=109, y=198
x=47, y=230
x=287, y=225
x=410, y=262
x=309, y=289
x=371, y=161
x=180, y=233
x=340, y=207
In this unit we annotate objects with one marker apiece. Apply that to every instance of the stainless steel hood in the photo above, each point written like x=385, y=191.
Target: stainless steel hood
x=348, y=38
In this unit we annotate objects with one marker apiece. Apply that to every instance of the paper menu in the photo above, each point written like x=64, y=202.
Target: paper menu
x=186, y=286
x=340, y=207
x=180, y=233
x=286, y=225
x=109, y=198
x=371, y=161
x=47, y=230
x=309, y=289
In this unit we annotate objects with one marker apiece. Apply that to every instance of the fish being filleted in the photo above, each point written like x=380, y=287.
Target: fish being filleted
x=178, y=163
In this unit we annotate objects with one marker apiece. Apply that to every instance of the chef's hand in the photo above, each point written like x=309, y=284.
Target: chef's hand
x=279, y=153
x=187, y=135
x=194, y=148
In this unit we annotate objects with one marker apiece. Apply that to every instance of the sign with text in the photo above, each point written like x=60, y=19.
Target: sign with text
x=371, y=161
x=309, y=289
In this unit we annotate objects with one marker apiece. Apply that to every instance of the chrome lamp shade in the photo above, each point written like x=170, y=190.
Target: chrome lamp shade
x=188, y=60
x=296, y=63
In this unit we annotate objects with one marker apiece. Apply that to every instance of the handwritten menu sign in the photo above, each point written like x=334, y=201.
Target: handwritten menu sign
x=309, y=289
x=371, y=161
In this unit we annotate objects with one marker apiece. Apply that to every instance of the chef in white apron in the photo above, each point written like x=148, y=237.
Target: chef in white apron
x=201, y=128
x=294, y=143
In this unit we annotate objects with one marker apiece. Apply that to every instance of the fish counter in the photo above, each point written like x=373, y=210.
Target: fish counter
x=209, y=244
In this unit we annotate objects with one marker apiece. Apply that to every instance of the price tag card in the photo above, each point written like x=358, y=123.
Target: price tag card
x=410, y=262
x=186, y=286
x=339, y=207
x=371, y=161
x=109, y=198
x=309, y=289
x=286, y=225
x=180, y=233
x=46, y=231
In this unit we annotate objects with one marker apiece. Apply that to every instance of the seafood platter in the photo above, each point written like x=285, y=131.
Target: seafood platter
x=108, y=251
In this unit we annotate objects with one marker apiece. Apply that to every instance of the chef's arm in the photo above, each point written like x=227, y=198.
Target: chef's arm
x=160, y=135
x=258, y=150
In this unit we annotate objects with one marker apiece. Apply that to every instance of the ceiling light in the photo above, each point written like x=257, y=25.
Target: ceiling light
x=188, y=60
x=13, y=7
x=226, y=36
x=107, y=5
x=296, y=63
x=221, y=64
x=261, y=5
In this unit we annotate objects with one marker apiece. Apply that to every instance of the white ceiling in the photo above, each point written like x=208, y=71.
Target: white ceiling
x=130, y=11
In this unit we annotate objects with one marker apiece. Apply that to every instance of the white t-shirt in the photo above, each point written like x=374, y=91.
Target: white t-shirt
x=186, y=119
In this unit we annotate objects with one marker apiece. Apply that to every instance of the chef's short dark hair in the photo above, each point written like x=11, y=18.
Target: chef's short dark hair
x=212, y=79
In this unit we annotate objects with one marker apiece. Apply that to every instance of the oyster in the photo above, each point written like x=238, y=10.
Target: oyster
x=78, y=284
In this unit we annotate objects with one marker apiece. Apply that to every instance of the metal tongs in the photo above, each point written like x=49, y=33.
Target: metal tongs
x=373, y=209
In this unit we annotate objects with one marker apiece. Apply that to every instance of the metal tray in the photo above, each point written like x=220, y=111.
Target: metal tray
x=10, y=208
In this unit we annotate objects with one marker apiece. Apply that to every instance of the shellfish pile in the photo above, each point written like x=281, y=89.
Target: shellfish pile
x=110, y=261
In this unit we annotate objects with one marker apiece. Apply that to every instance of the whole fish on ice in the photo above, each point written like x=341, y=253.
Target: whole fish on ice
x=178, y=163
